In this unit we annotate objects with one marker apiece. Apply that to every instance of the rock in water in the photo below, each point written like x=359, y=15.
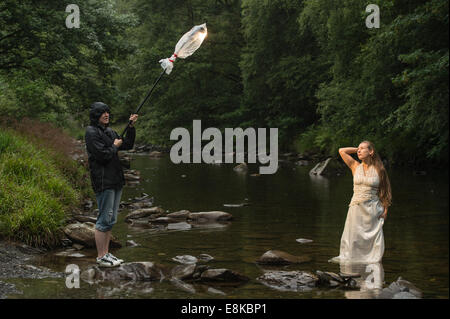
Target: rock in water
x=277, y=257
x=182, y=285
x=223, y=275
x=183, y=271
x=182, y=214
x=179, y=226
x=289, y=280
x=185, y=259
x=205, y=257
x=320, y=167
x=400, y=289
x=134, y=271
x=303, y=241
x=210, y=216
x=143, y=212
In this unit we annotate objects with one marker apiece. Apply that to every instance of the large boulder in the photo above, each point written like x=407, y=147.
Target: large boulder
x=210, y=216
x=84, y=234
x=297, y=281
x=277, y=257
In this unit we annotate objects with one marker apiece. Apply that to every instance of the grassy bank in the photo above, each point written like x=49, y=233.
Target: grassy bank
x=40, y=185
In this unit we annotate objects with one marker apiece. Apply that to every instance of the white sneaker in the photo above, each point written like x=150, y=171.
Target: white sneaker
x=114, y=258
x=107, y=261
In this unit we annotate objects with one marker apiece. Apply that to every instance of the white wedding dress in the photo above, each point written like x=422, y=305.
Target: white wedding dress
x=362, y=240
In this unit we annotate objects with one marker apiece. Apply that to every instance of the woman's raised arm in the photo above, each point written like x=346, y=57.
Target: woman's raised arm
x=350, y=161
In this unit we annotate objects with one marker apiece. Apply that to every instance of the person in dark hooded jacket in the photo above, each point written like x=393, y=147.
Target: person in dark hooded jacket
x=103, y=144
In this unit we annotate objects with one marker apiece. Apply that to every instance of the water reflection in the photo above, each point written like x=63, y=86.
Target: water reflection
x=371, y=279
x=320, y=186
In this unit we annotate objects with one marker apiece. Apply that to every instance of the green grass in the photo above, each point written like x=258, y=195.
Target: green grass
x=38, y=188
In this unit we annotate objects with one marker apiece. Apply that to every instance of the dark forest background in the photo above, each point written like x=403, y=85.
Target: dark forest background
x=309, y=67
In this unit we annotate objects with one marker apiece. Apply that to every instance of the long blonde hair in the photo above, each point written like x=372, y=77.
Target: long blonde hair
x=384, y=190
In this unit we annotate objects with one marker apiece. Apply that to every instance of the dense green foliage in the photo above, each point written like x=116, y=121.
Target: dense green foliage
x=38, y=188
x=309, y=67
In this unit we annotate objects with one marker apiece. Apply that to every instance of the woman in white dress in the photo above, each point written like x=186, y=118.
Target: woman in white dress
x=362, y=240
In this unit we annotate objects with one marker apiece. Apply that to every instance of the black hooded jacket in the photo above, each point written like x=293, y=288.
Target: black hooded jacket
x=106, y=170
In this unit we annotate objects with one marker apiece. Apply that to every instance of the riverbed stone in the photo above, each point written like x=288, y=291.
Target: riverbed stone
x=223, y=275
x=133, y=271
x=205, y=257
x=84, y=234
x=278, y=257
x=85, y=218
x=143, y=212
x=185, y=259
x=182, y=214
x=400, y=289
x=146, y=203
x=162, y=220
x=298, y=281
x=210, y=216
x=183, y=271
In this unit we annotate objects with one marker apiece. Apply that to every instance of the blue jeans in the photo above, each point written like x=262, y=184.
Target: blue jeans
x=108, y=205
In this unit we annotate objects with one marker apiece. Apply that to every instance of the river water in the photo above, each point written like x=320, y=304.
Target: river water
x=280, y=208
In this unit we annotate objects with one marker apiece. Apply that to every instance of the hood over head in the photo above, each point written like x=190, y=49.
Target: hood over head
x=97, y=109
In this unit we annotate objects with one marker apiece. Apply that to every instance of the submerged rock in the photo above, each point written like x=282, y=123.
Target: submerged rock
x=298, y=281
x=331, y=279
x=182, y=285
x=155, y=154
x=183, y=271
x=277, y=257
x=400, y=289
x=210, y=216
x=223, y=275
x=179, y=226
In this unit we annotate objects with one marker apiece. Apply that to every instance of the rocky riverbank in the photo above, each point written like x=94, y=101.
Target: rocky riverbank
x=17, y=261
